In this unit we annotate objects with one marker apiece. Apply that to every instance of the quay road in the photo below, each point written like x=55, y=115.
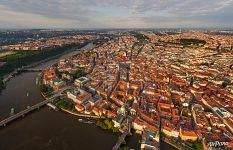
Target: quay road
x=32, y=69
x=31, y=108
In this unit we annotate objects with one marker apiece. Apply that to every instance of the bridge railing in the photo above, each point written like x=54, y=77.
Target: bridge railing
x=31, y=108
x=24, y=112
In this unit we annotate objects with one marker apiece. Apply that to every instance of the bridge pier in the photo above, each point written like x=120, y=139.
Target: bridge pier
x=124, y=142
x=121, y=140
x=22, y=113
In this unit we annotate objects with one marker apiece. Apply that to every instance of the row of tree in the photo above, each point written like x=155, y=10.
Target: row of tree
x=45, y=90
x=139, y=36
x=191, y=41
x=2, y=86
x=107, y=124
x=26, y=58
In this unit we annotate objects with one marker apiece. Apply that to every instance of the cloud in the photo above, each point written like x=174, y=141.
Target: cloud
x=119, y=13
x=50, y=8
x=187, y=7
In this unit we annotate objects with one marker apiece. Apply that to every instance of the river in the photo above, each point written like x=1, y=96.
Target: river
x=46, y=129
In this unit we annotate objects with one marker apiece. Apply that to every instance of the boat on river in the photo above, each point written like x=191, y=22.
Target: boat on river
x=84, y=121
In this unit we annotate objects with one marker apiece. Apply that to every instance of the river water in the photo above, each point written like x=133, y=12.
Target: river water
x=46, y=129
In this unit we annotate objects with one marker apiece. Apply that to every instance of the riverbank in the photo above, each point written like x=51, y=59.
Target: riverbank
x=14, y=68
x=2, y=85
x=171, y=144
x=50, y=130
x=57, y=56
x=107, y=124
x=80, y=115
x=46, y=129
x=21, y=90
x=180, y=145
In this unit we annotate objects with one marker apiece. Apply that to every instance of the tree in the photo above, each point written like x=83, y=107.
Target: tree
x=198, y=146
x=45, y=90
x=79, y=73
x=191, y=41
x=2, y=85
x=124, y=148
x=224, y=84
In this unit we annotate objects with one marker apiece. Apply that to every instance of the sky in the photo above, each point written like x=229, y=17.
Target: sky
x=115, y=13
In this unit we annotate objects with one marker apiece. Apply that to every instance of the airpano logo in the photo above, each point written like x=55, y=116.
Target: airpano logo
x=217, y=144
